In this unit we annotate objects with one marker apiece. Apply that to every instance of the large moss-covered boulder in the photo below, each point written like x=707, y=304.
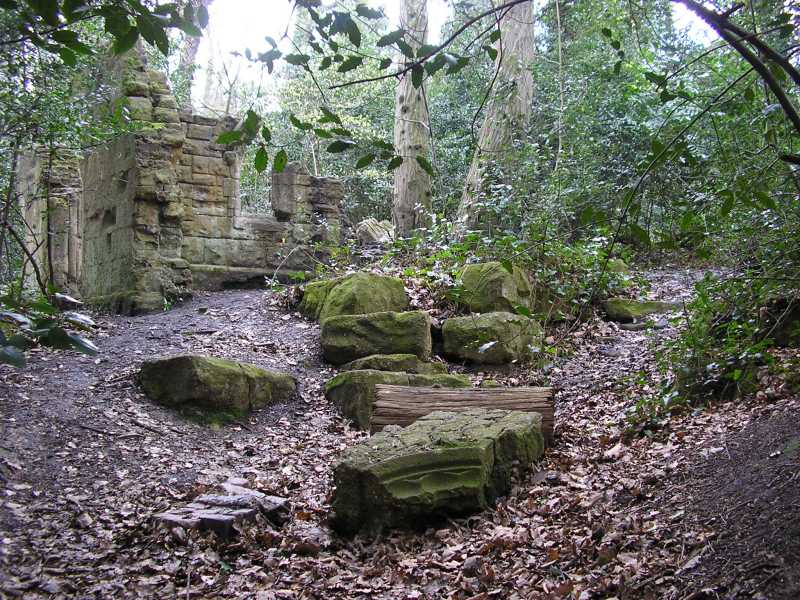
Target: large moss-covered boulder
x=214, y=386
x=491, y=338
x=314, y=296
x=356, y=294
x=444, y=464
x=490, y=287
x=353, y=392
x=626, y=310
x=348, y=337
x=405, y=363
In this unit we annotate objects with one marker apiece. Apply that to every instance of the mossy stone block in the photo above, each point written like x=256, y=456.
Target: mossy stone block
x=491, y=338
x=353, y=392
x=626, y=310
x=314, y=296
x=363, y=293
x=348, y=337
x=139, y=108
x=444, y=464
x=406, y=363
x=355, y=294
x=617, y=265
x=213, y=385
x=490, y=287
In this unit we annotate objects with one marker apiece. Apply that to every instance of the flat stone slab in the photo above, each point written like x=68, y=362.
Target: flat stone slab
x=444, y=464
x=627, y=310
x=220, y=512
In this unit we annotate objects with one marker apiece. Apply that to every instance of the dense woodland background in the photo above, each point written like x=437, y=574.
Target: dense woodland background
x=634, y=140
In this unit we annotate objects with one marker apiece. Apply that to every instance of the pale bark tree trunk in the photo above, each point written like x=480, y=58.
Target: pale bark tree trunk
x=188, y=56
x=411, y=202
x=507, y=114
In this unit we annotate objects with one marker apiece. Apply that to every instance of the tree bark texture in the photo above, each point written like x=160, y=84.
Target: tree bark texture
x=402, y=405
x=507, y=114
x=411, y=202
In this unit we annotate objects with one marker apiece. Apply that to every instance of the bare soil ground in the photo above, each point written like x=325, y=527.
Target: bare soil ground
x=706, y=507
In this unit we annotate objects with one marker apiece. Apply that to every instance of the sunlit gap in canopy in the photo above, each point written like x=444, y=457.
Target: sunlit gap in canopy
x=237, y=25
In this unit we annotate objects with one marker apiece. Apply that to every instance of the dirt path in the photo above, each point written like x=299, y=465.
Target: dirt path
x=85, y=461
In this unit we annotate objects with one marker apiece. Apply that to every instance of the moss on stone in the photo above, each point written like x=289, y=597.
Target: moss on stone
x=490, y=338
x=353, y=392
x=626, y=310
x=348, y=337
x=356, y=294
x=444, y=464
x=363, y=293
x=407, y=363
x=489, y=287
x=213, y=386
x=314, y=296
x=617, y=265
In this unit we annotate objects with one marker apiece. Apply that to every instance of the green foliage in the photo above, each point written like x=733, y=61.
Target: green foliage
x=569, y=274
x=722, y=343
x=56, y=25
x=26, y=323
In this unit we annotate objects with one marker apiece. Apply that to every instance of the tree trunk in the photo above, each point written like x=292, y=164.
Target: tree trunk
x=186, y=62
x=402, y=405
x=507, y=114
x=411, y=203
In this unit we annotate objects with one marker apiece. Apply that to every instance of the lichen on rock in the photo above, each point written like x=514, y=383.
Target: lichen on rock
x=444, y=464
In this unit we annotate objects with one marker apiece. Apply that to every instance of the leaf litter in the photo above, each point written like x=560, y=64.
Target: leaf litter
x=86, y=461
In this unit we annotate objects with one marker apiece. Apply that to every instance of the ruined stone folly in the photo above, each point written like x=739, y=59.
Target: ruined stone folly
x=153, y=214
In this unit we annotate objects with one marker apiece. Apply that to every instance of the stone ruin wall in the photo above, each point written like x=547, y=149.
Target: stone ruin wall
x=151, y=215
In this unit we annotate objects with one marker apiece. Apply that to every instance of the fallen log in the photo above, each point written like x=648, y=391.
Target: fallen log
x=402, y=405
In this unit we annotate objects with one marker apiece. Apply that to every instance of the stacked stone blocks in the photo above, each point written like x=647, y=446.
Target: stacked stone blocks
x=153, y=214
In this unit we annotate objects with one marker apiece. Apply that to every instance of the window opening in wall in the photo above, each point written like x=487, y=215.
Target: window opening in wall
x=254, y=190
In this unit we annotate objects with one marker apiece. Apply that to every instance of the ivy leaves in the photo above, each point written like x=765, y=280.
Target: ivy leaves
x=39, y=322
x=53, y=24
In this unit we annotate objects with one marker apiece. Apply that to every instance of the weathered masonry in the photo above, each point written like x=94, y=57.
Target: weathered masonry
x=154, y=214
